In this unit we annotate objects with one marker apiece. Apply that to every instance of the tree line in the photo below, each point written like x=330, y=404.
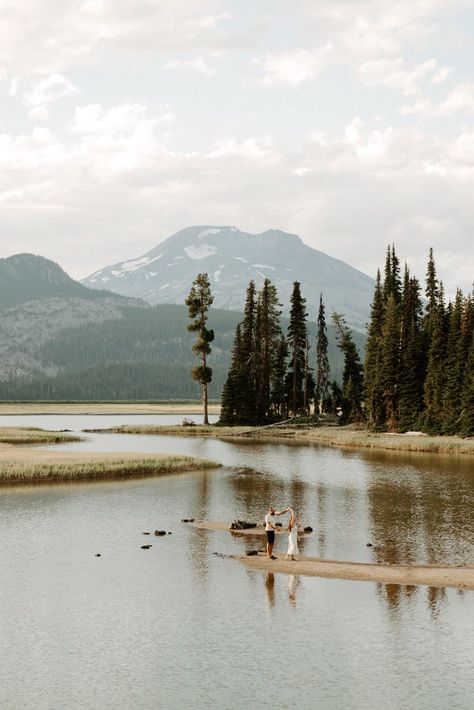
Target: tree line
x=417, y=374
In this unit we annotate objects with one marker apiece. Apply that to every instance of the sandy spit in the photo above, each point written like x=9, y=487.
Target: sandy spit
x=103, y=408
x=431, y=575
x=461, y=577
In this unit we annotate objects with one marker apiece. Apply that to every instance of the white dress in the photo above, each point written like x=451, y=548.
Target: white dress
x=293, y=541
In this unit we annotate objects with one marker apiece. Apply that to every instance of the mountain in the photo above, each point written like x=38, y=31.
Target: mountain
x=232, y=258
x=37, y=301
x=27, y=277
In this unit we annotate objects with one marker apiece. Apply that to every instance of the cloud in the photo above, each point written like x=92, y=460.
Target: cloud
x=295, y=66
x=113, y=187
x=197, y=64
x=41, y=93
x=51, y=37
x=394, y=74
x=460, y=99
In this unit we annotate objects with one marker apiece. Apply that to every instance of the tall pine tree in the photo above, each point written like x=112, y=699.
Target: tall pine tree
x=297, y=342
x=322, y=361
x=199, y=301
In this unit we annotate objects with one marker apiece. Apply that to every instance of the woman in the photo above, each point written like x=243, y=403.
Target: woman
x=292, y=537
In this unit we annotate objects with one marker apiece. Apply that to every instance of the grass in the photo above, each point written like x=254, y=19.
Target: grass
x=33, y=435
x=31, y=472
x=345, y=437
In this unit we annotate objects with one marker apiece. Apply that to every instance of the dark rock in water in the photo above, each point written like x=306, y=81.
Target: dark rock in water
x=278, y=525
x=146, y=547
x=308, y=529
x=369, y=544
x=187, y=520
x=169, y=532
x=242, y=525
x=160, y=532
x=145, y=533
x=250, y=553
x=97, y=554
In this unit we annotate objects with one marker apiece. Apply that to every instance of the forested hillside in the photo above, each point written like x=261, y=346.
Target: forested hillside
x=146, y=354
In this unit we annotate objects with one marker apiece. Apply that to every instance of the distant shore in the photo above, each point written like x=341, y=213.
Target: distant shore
x=342, y=437
x=185, y=407
x=25, y=466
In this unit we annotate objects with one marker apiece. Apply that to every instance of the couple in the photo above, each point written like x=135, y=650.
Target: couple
x=270, y=527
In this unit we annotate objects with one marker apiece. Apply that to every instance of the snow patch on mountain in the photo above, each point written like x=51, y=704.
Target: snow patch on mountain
x=207, y=232
x=263, y=266
x=240, y=258
x=203, y=251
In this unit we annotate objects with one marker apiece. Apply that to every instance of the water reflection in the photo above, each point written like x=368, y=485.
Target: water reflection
x=293, y=582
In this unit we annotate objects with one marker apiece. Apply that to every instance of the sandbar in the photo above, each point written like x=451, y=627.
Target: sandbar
x=30, y=408
x=459, y=576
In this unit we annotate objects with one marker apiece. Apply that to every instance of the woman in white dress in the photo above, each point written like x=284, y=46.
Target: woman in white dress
x=292, y=537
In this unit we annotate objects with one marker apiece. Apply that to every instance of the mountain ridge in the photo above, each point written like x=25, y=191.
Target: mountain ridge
x=232, y=258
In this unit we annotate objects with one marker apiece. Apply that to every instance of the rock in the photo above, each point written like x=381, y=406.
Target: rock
x=97, y=554
x=369, y=544
x=169, y=532
x=187, y=520
x=250, y=553
x=242, y=525
x=278, y=525
x=146, y=547
x=145, y=533
x=308, y=529
x=160, y=532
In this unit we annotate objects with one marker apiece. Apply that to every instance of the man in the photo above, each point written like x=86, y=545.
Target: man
x=270, y=528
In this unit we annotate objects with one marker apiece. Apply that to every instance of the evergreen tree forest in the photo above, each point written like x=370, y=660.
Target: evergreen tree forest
x=419, y=355
x=418, y=372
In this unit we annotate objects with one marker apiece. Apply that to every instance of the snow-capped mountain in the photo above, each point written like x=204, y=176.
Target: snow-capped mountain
x=232, y=258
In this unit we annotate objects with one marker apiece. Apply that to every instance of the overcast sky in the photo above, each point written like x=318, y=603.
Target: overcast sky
x=348, y=122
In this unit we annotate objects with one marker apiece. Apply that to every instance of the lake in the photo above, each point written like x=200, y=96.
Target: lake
x=179, y=626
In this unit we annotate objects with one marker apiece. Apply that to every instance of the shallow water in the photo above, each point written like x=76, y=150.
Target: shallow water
x=177, y=626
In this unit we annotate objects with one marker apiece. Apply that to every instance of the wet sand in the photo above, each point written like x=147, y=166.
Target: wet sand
x=461, y=577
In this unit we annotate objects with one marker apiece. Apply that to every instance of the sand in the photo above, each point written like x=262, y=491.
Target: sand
x=31, y=408
x=461, y=577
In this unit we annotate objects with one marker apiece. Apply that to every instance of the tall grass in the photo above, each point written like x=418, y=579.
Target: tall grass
x=17, y=472
x=34, y=435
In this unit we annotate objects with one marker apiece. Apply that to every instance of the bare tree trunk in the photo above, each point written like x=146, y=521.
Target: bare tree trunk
x=204, y=397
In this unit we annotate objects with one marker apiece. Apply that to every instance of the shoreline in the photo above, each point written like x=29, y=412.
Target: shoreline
x=339, y=437
x=65, y=408
x=460, y=577
x=21, y=465
x=433, y=575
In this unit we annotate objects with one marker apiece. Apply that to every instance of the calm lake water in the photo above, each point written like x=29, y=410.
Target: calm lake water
x=177, y=626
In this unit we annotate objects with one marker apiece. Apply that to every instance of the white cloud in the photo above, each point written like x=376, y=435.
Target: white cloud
x=460, y=99
x=394, y=74
x=197, y=64
x=295, y=66
x=49, y=37
x=41, y=93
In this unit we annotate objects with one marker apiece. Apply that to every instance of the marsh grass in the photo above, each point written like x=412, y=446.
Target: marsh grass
x=17, y=472
x=329, y=436
x=34, y=435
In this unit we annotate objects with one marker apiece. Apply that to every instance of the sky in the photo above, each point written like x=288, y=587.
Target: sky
x=347, y=122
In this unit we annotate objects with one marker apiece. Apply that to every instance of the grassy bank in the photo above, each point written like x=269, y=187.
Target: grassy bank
x=345, y=437
x=33, y=435
x=77, y=468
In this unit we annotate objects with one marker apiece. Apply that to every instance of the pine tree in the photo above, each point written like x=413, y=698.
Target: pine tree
x=353, y=379
x=322, y=362
x=431, y=417
x=465, y=426
x=267, y=338
x=297, y=342
x=232, y=391
x=248, y=412
x=410, y=400
x=454, y=366
x=199, y=301
x=373, y=368
x=389, y=360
